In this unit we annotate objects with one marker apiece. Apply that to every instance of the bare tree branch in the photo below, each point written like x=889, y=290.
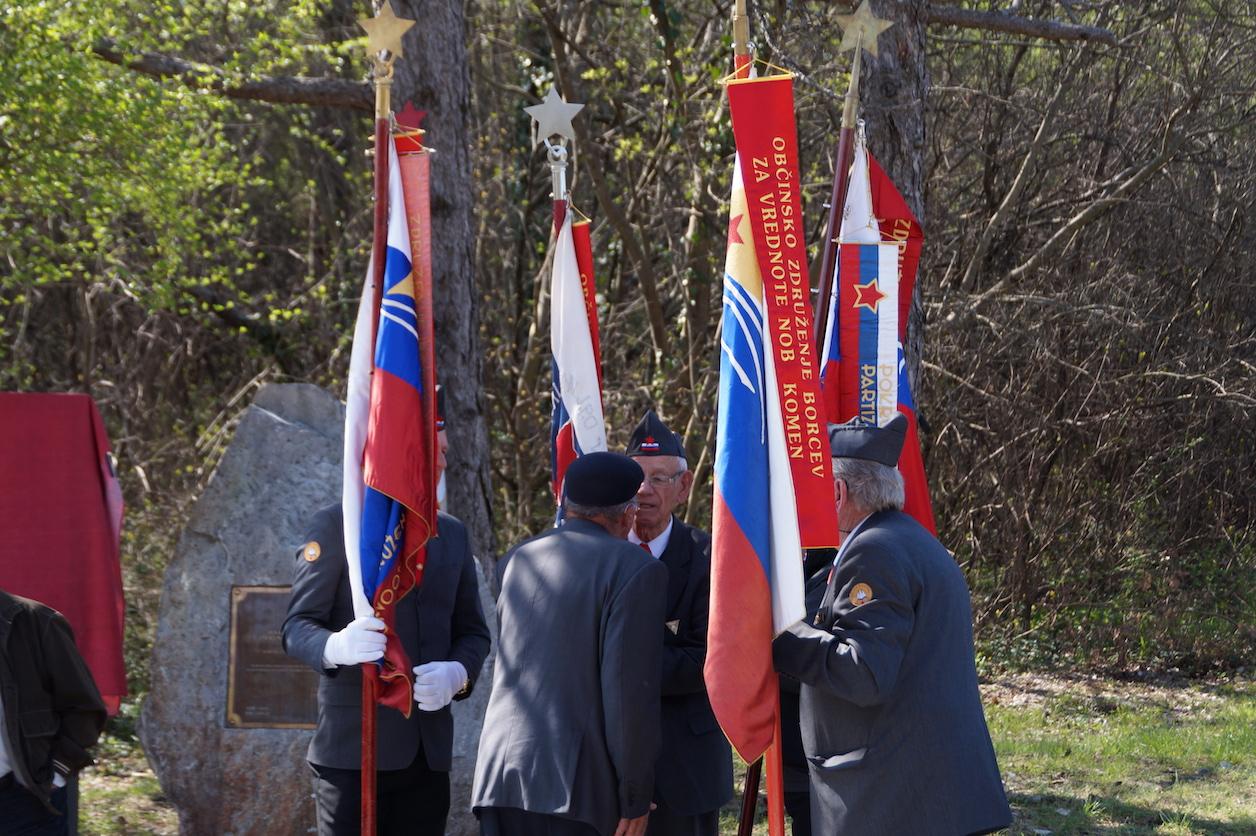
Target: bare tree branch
x=633, y=245
x=326, y=92
x=1018, y=185
x=1172, y=142
x=1014, y=24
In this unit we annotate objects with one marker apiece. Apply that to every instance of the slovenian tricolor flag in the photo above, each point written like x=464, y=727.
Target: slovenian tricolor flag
x=864, y=373
x=756, y=554
x=385, y=454
x=577, y=426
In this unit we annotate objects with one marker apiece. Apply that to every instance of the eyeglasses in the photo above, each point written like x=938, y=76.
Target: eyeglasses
x=660, y=481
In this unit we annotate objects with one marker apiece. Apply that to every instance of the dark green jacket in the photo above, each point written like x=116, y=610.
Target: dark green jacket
x=52, y=710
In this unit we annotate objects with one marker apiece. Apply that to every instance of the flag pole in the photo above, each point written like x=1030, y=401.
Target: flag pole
x=742, y=59
x=859, y=30
x=379, y=245
x=384, y=32
x=557, y=154
x=837, y=198
x=741, y=39
x=749, y=798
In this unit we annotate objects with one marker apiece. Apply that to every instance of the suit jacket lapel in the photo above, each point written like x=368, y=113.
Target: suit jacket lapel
x=677, y=557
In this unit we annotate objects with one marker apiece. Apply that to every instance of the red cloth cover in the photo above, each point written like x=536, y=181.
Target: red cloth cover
x=60, y=520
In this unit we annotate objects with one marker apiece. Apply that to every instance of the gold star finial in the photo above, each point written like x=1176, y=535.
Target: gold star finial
x=862, y=28
x=384, y=31
x=553, y=116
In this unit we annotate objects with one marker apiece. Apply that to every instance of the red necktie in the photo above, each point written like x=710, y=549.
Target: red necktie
x=646, y=546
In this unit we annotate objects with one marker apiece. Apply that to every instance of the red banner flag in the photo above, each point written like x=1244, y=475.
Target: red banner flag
x=898, y=224
x=580, y=236
x=762, y=113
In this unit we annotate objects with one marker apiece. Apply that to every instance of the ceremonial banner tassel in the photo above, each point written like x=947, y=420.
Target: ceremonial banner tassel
x=414, y=165
x=756, y=552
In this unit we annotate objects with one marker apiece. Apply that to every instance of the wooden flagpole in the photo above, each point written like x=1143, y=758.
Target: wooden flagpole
x=860, y=31
x=837, y=200
x=384, y=32
x=742, y=59
x=379, y=254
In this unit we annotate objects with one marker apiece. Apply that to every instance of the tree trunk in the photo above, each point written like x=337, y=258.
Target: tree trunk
x=433, y=74
x=893, y=92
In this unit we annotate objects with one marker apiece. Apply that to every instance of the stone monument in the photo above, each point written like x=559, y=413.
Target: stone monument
x=238, y=772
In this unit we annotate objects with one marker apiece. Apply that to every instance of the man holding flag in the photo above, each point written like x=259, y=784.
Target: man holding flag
x=891, y=716
x=443, y=632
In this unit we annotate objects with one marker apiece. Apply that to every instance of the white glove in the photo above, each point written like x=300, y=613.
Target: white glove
x=58, y=780
x=435, y=684
x=361, y=640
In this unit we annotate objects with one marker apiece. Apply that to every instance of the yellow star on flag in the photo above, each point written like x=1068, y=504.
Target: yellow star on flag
x=862, y=28
x=384, y=31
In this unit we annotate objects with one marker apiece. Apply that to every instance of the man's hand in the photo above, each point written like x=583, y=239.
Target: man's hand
x=632, y=827
x=361, y=640
x=435, y=684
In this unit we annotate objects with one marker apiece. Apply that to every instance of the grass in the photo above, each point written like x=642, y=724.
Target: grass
x=119, y=795
x=1093, y=756
x=1078, y=755
x=1087, y=756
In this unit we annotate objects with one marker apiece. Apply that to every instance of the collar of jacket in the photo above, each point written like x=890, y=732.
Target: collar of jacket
x=588, y=526
x=9, y=609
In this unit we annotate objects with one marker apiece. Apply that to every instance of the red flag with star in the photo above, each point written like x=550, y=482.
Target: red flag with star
x=871, y=371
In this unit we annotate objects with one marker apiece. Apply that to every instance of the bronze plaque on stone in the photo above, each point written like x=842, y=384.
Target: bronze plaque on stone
x=266, y=688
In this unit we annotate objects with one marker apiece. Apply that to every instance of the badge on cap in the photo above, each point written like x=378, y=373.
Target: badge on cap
x=648, y=444
x=860, y=594
x=311, y=551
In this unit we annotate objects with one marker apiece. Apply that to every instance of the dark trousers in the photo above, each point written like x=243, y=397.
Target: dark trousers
x=413, y=801
x=22, y=814
x=798, y=805
x=511, y=821
x=665, y=822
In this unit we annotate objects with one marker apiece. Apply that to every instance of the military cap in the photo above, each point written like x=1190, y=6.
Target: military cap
x=857, y=439
x=653, y=438
x=440, y=407
x=602, y=480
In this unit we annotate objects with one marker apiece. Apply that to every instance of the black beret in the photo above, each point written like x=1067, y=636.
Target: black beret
x=440, y=407
x=858, y=439
x=653, y=438
x=602, y=480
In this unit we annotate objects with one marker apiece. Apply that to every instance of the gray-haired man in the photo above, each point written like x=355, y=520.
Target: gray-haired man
x=572, y=728
x=891, y=716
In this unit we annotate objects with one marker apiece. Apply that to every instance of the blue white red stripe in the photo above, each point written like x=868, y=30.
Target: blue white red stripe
x=577, y=425
x=384, y=451
x=756, y=567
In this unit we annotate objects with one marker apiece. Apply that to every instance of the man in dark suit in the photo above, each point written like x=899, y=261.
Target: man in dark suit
x=891, y=716
x=694, y=773
x=794, y=770
x=442, y=630
x=572, y=728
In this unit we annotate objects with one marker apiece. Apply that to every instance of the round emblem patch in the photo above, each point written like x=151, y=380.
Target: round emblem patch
x=860, y=594
x=311, y=551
